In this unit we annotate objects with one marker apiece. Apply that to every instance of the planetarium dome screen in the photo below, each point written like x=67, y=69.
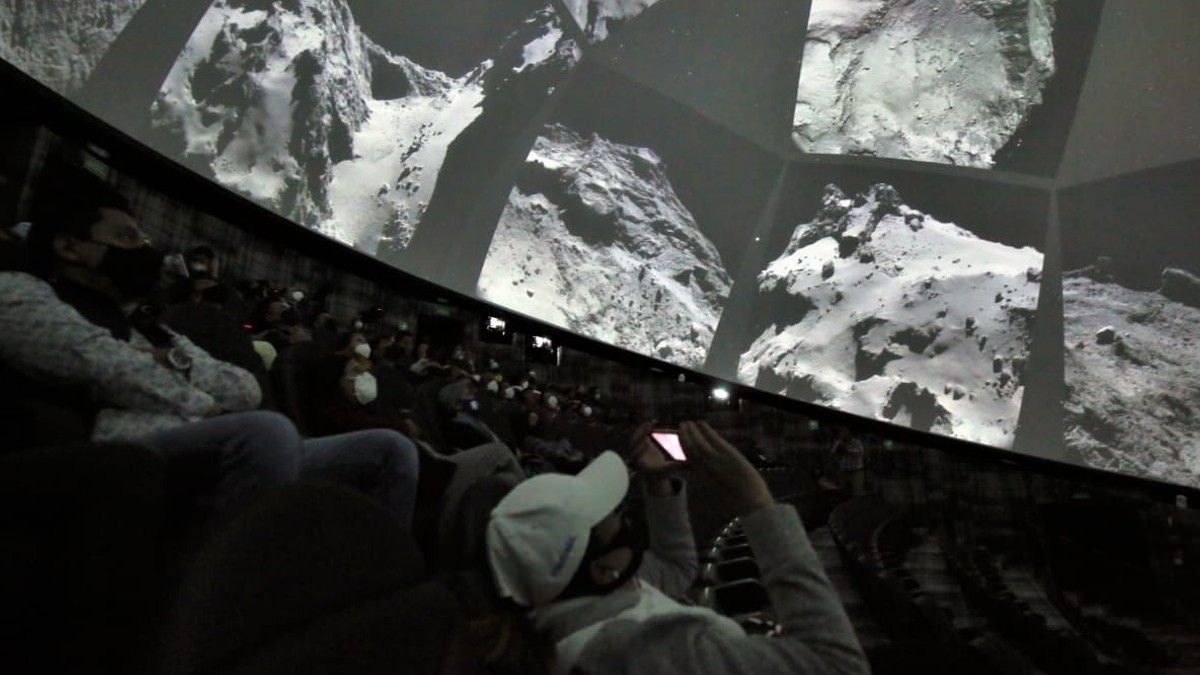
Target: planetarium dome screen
x=988, y=83
x=971, y=218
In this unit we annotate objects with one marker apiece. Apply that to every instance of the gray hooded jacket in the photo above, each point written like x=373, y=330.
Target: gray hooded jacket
x=643, y=631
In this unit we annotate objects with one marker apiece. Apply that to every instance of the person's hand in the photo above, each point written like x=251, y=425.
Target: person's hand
x=649, y=461
x=742, y=484
x=160, y=356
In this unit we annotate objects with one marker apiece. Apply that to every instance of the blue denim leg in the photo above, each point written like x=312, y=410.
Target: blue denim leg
x=380, y=463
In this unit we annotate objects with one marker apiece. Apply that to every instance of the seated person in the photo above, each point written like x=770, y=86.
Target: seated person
x=203, y=263
x=71, y=326
x=198, y=312
x=603, y=593
x=463, y=429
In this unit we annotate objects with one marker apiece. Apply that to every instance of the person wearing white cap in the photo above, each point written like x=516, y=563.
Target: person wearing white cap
x=557, y=547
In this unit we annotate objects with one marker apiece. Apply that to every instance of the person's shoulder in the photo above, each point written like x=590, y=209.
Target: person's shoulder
x=25, y=285
x=17, y=278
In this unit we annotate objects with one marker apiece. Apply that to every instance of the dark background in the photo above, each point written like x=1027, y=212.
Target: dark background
x=1145, y=222
x=452, y=36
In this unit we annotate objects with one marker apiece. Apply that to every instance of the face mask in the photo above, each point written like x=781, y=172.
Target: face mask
x=552, y=403
x=510, y=393
x=363, y=350
x=471, y=407
x=358, y=325
x=631, y=536
x=494, y=387
x=134, y=271
x=366, y=389
x=297, y=296
x=476, y=377
x=587, y=411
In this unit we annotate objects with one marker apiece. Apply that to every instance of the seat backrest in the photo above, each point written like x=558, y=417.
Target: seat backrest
x=292, y=557
x=80, y=531
x=292, y=380
x=463, y=546
x=427, y=413
x=420, y=630
x=35, y=414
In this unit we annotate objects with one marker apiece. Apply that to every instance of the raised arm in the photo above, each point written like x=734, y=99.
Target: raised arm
x=670, y=564
x=817, y=635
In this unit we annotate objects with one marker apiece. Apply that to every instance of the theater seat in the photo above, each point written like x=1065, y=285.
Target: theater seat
x=419, y=630
x=292, y=385
x=731, y=552
x=737, y=568
x=34, y=414
x=740, y=597
x=306, y=578
x=80, y=534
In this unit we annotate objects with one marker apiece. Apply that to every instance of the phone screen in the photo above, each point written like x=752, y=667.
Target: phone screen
x=669, y=442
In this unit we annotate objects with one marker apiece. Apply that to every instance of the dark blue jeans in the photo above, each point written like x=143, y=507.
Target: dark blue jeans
x=241, y=452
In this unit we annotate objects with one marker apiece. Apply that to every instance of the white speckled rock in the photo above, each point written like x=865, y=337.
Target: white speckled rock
x=920, y=322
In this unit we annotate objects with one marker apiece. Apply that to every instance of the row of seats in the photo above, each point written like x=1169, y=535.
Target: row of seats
x=1055, y=652
x=873, y=539
x=98, y=578
x=730, y=579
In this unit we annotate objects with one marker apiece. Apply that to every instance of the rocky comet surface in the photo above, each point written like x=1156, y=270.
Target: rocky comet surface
x=948, y=81
x=297, y=108
x=881, y=310
x=595, y=240
x=1133, y=376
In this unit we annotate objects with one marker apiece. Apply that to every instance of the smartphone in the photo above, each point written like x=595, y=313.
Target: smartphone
x=668, y=440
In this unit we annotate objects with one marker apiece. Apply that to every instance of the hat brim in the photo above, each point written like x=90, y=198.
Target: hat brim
x=605, y=483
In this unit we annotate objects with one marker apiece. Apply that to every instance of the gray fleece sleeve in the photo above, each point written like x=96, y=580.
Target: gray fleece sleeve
x=670, y=564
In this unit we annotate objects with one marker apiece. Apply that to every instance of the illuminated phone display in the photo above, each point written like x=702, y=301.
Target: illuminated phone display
x=669, y=442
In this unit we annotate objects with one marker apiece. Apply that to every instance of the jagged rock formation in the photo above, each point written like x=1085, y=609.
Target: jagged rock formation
x=930, y=80
x=881, y=310
x=595, y=240
x=1181, y=286
x=1133, y=400
x=292, y=105
x=60, y=42
x=598, y=17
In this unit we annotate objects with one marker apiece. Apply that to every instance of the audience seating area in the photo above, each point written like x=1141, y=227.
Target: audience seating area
x=1053, y=651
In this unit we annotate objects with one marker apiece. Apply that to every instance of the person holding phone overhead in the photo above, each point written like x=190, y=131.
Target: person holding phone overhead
x=604, y=594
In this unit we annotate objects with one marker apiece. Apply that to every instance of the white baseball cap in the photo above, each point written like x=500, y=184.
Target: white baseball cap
x=538, y=533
